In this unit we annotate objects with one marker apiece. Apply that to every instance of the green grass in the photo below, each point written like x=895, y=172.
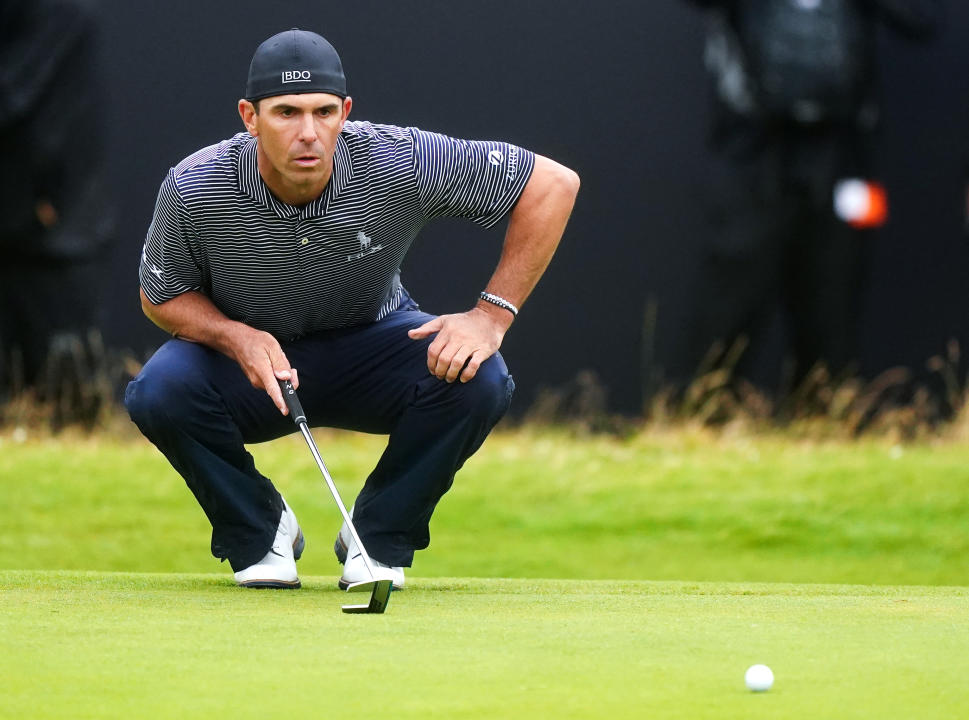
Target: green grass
x=96, y=645
x=570, y=577
x=535, y=504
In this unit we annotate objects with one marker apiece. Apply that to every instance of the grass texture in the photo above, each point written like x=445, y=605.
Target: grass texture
x=534, y=504
x=568, y=577
x=111, y=645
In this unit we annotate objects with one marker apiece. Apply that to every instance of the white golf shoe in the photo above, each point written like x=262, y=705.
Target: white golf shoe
x=278, y=568
x=354, y=568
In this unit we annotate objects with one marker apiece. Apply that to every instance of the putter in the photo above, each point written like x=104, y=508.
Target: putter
x=379, y=587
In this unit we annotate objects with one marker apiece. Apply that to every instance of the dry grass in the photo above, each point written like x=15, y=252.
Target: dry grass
x=81, y=388
x=894, y=405
x=78, y=389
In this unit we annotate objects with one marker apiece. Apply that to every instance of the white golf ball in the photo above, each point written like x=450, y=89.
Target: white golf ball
x=759, y=678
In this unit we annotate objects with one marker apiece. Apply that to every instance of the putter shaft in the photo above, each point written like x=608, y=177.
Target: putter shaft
x=304, y=428
x=299, y=417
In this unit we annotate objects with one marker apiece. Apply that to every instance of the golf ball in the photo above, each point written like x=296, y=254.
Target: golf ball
x=759, y=678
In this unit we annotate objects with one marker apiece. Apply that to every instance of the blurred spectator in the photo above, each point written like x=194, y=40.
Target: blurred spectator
x=789, y=196
x=55, y=223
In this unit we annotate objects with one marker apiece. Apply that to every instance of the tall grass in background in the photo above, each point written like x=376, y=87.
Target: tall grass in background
x=81, y=386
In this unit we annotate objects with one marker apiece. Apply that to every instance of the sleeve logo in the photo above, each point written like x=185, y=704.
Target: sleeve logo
x=512, y=163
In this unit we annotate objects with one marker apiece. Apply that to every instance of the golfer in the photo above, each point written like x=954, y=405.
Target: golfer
x=276, y=255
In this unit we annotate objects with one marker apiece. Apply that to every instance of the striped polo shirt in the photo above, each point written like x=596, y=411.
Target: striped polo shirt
x=334, y=262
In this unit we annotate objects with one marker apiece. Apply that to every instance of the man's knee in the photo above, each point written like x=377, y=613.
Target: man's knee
x=164, y=391
x=488, y=394
x=152, y=398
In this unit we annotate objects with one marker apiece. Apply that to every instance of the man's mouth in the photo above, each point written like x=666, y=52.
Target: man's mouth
x=307, y=160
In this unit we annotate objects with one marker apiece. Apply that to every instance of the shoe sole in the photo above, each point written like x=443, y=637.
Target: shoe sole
x=271, y=584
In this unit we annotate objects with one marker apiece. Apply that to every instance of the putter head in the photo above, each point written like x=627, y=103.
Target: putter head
x=379, y=596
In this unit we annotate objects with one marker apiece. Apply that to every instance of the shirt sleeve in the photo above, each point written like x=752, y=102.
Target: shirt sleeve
x=475, y=179
x=171, y=259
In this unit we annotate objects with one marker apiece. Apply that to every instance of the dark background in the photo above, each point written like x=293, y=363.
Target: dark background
x=616, y=91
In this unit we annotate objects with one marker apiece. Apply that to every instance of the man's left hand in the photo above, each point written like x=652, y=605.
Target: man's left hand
x=463, y=342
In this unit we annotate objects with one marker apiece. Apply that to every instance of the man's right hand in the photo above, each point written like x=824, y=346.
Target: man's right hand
x=192, y=316
x=264, y=362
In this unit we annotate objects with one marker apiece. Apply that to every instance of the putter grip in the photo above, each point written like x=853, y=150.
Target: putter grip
x=292, y=401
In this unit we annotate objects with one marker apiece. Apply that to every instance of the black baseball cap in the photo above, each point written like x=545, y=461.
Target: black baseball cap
x=295, y=62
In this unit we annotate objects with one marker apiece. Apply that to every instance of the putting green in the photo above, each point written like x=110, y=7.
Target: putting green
x=112, y=645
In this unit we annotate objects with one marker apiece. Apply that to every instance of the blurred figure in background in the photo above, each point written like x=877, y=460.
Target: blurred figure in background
x=55, y=223
x=790, y=197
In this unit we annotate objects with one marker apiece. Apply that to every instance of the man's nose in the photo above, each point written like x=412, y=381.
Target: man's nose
x=307, y=128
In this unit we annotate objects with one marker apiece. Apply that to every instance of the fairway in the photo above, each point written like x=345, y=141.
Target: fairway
x=108, y=645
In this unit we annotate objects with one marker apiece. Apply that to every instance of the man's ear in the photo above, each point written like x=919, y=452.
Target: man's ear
x=247, y=111
x=347, y=104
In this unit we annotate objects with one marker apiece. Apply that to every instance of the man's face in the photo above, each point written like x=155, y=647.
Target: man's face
x=297, y=136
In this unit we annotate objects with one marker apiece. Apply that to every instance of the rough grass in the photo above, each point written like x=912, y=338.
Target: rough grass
x=683, y=505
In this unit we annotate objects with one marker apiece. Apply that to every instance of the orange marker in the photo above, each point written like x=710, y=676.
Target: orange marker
x=863, y=204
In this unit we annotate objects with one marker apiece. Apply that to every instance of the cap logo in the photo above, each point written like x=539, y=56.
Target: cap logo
x=290, y=76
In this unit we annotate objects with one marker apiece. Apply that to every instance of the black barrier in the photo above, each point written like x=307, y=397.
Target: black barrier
x=616, y=91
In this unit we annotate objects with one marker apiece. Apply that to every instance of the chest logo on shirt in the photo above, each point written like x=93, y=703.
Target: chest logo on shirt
x=366, y=247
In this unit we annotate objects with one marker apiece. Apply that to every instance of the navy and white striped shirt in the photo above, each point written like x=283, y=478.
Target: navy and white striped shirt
x=334, y=262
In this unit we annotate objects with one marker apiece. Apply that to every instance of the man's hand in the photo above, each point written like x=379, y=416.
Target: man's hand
x=537, y=222
x=264, y=363
x=192, y=316
x=463, y=342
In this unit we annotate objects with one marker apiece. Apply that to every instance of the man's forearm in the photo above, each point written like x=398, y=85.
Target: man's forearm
x=534, y=229
x=193, y=316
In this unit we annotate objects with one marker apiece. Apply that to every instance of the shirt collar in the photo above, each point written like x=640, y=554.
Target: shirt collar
x=252, y=184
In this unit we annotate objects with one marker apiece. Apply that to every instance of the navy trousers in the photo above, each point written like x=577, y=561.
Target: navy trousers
x=196, y=405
